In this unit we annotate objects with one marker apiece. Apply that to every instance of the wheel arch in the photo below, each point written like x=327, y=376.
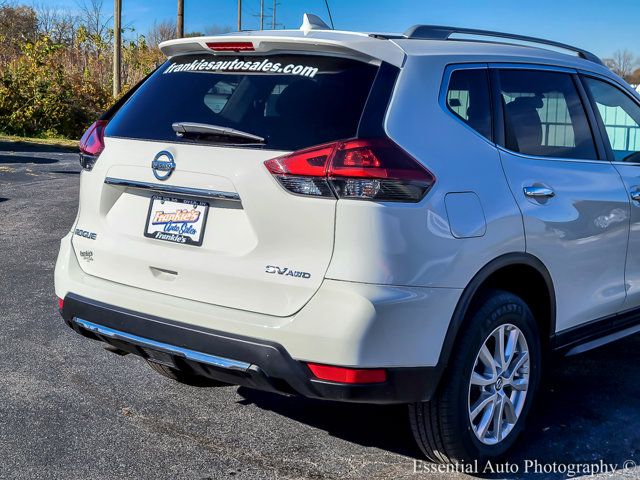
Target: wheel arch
x=493, y=275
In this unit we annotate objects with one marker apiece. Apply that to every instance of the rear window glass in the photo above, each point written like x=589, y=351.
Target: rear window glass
x=292, y=101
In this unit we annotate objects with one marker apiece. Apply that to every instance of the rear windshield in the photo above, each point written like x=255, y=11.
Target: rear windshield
x=292, y=101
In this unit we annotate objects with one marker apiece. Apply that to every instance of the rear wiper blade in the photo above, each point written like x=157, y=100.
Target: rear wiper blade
x=205, y=129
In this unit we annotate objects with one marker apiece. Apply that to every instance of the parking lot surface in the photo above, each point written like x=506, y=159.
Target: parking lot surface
x=71, y=410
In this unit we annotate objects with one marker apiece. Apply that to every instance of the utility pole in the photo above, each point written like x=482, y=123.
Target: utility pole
x=273, y=19
x=239, y=15
x=180, y=23
x=117, y=46
x=261, y=14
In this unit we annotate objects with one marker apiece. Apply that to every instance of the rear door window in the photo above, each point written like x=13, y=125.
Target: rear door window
x=293, y=101
x=544, y=115
x=468, y=99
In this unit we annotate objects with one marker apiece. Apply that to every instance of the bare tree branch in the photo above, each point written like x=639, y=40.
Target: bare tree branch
x=161, y=31
x=622, y=63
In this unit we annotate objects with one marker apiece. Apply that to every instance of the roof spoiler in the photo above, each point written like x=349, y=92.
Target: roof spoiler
x=438, y=32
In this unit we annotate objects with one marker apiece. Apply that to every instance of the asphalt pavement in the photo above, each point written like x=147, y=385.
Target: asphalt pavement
x=71, y=410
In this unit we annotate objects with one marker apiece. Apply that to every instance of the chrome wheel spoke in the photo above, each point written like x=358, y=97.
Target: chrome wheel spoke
x=511, y=347
x=521, y=384
x=510, y=410
x=488, y=361
x=522, y=360
x=480, y=380
x=500, y=359
x=498, y=413
x=487, y=419
x=481, y=406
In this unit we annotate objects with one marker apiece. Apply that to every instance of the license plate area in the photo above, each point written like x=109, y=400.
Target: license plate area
x=176, y=220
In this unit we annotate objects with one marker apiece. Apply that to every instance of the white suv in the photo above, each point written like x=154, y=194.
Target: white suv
x=366, y=218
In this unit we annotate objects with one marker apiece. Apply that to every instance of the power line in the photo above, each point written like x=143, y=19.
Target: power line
x=273, y=18
x=261, y=14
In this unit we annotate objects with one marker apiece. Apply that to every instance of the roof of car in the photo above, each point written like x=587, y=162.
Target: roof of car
x=392, y=48
x=489, y=51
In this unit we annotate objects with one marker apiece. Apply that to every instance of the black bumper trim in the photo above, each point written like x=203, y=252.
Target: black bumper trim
x=272, y=368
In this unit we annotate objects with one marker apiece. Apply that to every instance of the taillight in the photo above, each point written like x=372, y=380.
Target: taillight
x=231, y=46
x=60, y=304
x=92, y=144
x=357, y=169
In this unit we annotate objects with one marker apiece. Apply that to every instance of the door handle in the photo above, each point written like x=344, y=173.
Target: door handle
x=539, y=191
x=635, y=195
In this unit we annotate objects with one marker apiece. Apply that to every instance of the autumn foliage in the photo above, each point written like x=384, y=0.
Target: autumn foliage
x=56, y=69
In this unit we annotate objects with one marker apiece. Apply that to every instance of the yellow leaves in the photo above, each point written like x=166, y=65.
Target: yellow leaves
x=58, y=90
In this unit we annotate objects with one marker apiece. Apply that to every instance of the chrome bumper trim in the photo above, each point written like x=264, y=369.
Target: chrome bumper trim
x=200, y=357
x=171, y=189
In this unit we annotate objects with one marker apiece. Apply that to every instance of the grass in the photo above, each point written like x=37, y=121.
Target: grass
x=56, y=142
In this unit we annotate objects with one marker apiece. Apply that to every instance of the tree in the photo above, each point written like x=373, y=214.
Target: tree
x=634, y=78
x=96, y=24
x=160, y=32
x=61, y=26
x=18, y=25
x=209, y=30
x=216, y=29
x=622, y=63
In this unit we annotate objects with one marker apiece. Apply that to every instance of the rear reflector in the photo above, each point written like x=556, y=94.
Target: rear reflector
x=375, y=169
x=231, y=46
x=60, y=303
x=348, y=375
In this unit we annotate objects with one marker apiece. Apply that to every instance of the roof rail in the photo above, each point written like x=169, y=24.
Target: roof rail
x=438, y=32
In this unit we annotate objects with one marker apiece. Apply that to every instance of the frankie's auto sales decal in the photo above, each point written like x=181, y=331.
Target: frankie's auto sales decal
x=243, y=66
x=176, y=220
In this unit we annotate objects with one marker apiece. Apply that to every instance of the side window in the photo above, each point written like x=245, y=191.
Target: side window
x=621, y=118
x=468, y=99
x=544, y=115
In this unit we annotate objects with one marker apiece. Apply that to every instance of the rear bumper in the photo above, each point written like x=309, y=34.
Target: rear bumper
x=233, y=358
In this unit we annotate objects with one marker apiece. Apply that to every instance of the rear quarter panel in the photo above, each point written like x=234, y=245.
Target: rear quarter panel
x=413, y=244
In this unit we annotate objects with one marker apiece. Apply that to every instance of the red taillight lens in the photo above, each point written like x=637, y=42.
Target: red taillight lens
x=360, y=169
x=231, y=46
x=310, y=162
x=60, y=303
x=348, y=375
x=92, y=142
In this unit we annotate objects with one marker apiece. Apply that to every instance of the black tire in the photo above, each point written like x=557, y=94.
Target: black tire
x=184, y=377
x=442, y=427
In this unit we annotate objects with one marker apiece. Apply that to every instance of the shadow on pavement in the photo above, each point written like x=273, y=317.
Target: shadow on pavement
x=13, y=159
x=384, y=427
x=20, y=146
x=3, y=199
x=588, y=411
x=66, y=172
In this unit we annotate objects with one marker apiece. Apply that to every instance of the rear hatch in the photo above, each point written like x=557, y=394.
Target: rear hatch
x=179, y=204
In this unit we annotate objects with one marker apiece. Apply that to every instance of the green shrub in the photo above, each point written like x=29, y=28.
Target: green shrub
x=39, y=96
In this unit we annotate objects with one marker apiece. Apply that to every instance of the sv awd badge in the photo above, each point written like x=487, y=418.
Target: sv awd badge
x=286, y=272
